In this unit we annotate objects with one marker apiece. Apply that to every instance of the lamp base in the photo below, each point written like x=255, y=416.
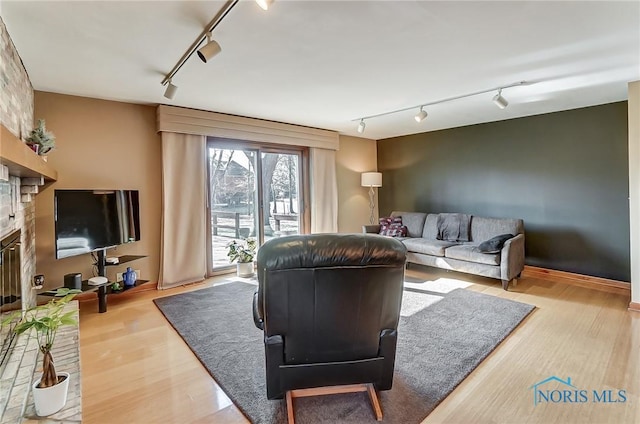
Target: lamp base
x=372, y=204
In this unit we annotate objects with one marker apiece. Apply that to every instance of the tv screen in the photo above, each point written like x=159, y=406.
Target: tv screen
x=89, y=220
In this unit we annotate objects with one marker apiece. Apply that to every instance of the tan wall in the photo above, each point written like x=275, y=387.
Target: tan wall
x=356, y=155
x=100, y=145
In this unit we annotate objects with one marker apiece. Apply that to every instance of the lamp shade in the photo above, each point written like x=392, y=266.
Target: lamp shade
x=371, y=179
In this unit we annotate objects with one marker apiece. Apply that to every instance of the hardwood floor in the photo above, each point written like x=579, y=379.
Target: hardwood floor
x=136, y=369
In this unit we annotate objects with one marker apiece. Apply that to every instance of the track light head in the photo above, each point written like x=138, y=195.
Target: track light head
x=171, y=90
x=421, y=116
x=264, y=4
x=210, y=49
x=361, y=126
x=500, y=101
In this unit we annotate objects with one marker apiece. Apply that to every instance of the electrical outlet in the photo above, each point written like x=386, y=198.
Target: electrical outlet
x=38, y=282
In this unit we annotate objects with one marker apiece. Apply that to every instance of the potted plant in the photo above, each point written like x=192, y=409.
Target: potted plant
x=50, y=390
x=243, y=251
x=40, y=140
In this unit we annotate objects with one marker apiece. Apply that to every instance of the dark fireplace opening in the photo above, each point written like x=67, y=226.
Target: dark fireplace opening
x=10, y=291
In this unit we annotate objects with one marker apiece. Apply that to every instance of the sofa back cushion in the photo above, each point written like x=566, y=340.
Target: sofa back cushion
x=430, y=230
x=414, y=221
x=483, y=229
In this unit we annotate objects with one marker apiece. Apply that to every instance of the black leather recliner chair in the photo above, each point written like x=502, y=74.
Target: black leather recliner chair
x=329, y=305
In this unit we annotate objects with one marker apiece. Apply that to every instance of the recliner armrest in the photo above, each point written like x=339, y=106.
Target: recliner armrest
x=257, y=312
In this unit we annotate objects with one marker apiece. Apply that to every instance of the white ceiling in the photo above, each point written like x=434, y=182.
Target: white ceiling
x=325, y=63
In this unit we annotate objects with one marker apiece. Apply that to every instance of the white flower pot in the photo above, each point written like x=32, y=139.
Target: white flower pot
x=244, y=269
x=50, y=400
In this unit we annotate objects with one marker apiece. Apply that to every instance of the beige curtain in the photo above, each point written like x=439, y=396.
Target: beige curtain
x=183, y=251
x=324, y=191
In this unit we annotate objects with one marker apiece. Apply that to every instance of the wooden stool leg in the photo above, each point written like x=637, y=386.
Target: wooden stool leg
x=290, y=414
x=331, y=390
x=375, y=404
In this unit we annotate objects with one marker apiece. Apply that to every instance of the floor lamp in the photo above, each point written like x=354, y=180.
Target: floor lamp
x=371, y=180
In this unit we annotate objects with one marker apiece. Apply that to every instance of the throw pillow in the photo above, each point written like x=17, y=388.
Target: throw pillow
x=494, y=245
x=392, y=226
x=388, y=220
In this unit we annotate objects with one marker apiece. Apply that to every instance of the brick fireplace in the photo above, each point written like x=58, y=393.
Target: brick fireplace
x=17, y=212
x=10, y=292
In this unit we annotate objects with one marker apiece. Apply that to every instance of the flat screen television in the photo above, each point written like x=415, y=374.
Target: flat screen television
x=90, y=220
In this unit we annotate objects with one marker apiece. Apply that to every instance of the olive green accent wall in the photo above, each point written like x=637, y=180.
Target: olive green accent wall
x=566, y=174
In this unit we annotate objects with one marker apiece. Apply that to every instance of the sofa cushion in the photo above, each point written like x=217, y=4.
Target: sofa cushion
x=430, y=230
x=427, y=247
x=485, y=228
x=414, y=221
x=453, y=226
x=471, y=253
x=494, y=244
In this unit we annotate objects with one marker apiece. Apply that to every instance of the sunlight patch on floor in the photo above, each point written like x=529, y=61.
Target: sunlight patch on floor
x=413, y=302
x=440, y=285
x=236, y=279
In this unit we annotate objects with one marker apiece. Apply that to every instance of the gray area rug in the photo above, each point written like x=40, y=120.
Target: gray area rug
x=443, y=335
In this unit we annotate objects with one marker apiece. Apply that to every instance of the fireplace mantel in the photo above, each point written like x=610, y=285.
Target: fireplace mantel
x=21, y=160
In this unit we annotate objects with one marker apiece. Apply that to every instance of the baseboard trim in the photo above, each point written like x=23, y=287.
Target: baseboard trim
x=577, y=279
x=634, y=306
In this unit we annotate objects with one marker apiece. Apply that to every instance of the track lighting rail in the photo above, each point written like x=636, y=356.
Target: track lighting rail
x=229, y=5
x=422, y=114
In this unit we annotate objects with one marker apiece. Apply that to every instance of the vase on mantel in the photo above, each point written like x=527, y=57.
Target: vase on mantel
x=34, y=146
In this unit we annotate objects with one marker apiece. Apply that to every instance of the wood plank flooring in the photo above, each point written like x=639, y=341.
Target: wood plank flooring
x=136, y=369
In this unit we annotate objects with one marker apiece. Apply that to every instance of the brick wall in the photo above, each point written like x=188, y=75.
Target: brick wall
x=16, y=113
x=16, y=99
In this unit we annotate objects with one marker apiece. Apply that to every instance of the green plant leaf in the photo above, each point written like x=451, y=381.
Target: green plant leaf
x=10, y=318
x=22, y=327
x=242, y=251
x=67, y=321
x=40, y=326
x=39, y=135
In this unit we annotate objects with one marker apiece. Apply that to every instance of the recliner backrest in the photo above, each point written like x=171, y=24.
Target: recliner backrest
x=330, y=295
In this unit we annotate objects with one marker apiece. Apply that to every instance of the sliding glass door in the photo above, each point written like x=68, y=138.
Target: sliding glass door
x=254, y=191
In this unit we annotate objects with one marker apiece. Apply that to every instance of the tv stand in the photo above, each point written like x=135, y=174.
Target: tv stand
x=105, y=289
x=102, y=262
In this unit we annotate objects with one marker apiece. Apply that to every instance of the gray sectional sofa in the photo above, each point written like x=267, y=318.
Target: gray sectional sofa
x=423, y=246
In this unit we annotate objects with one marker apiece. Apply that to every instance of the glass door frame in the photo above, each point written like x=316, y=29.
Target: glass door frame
x=259, y=148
